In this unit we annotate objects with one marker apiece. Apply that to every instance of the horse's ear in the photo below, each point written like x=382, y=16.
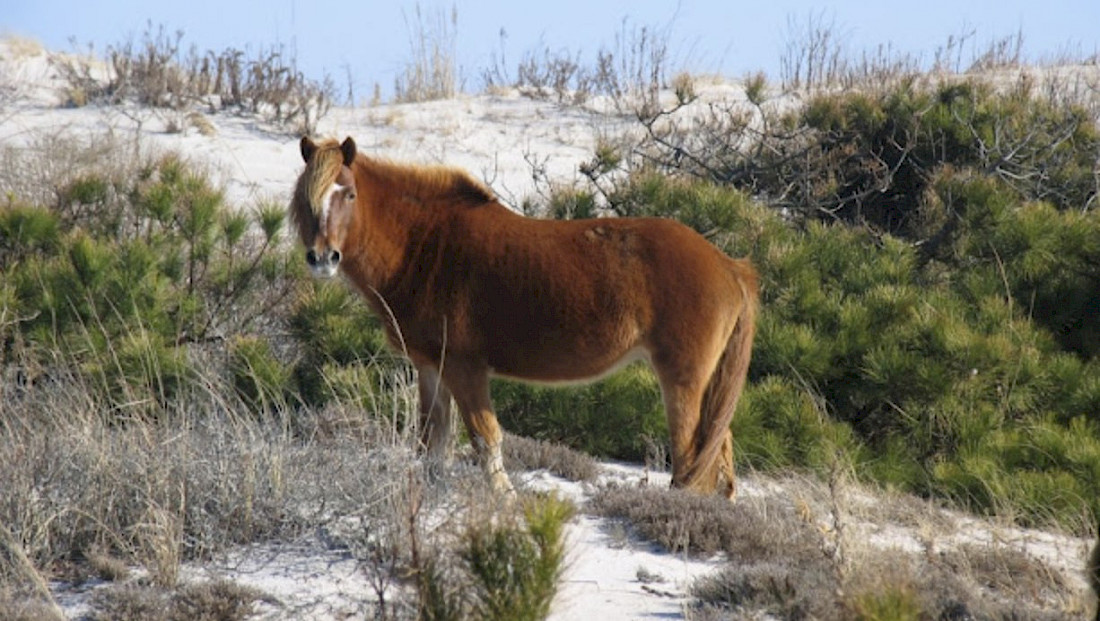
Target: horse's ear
x=308, y=148
x=348, y=149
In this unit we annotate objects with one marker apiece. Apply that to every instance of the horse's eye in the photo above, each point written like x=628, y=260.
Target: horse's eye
x=351, y=196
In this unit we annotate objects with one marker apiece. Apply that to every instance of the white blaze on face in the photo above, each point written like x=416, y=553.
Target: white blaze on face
x=326, y=204
x=326, y=267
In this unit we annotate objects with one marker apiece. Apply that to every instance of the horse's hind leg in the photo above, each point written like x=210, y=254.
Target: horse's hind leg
x=682, y=402
x=684, y=369
x=470, y=387
x=436, y=422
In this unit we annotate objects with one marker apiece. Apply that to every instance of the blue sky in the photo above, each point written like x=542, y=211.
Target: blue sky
x=369, y=39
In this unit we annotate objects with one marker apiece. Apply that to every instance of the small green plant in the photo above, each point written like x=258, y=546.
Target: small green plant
x=516, y=571
x=889, y=604
x=260, y=379
x=25, y=231
x=508, y=570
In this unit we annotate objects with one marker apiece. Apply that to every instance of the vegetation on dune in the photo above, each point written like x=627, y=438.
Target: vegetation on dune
x=941, y=335
x=939, y=332
x=157, y=72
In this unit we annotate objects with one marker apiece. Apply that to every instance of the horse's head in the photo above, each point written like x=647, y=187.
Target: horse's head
x=324, y=202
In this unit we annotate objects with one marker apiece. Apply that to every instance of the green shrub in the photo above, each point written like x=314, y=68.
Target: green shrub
x=572, y=205
x=1043, y=257
x=516, y=571
x=25, y=230
x=124, y=274
x=333, y=323
x=344, y=352
x=260, y=379
x=780, y=425
x=610, y=418
x=921, y=367
x=507, y=570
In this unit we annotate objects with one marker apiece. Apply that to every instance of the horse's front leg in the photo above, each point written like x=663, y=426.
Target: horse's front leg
x=470, y=386
x=436, y=422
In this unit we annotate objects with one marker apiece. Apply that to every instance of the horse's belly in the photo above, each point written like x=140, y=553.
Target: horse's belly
x=559, y=367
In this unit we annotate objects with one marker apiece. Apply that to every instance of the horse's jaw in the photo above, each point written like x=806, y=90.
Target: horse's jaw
x=324, y=270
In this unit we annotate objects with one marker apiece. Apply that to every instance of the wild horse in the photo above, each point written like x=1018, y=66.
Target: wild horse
x=469, y=289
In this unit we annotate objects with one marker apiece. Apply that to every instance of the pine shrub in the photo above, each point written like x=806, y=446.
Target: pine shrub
x=924, y=367
x=507, y=568
x=611, y=418
x=129, y=272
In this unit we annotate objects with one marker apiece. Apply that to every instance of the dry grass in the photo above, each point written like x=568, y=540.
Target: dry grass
x=801, y=552
x=433, y=72
x=683, y=521
x=88, y=494
x=22, y=47
x=629, y=74
x=219, y=600
x=38, y=172
x=81, y=482
x=521, y=453
x=18, y=606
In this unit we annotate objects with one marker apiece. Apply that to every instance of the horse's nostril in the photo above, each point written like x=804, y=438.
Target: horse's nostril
x=335, y=256
x=311, y=257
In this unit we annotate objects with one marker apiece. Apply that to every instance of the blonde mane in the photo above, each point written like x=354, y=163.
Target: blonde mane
x=320, y=174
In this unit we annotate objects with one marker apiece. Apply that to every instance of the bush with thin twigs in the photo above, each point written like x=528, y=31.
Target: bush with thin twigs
x=868, y=156
x=630, y=74
x=816, y=58
x=157, y=72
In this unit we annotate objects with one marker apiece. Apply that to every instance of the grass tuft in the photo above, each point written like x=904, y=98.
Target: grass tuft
x=521, y=453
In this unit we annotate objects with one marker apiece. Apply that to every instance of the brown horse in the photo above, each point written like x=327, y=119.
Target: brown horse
x=469, y=289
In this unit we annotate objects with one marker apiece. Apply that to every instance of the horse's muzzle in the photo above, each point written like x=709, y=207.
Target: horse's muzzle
x=324, y=263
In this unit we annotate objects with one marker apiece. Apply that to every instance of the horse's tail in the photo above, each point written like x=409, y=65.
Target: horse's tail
x=726, y=383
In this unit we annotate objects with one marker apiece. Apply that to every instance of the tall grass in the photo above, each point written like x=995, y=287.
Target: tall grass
x=432, y=73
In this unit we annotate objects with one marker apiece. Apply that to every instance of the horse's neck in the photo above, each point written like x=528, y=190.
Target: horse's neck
x=387, y=232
